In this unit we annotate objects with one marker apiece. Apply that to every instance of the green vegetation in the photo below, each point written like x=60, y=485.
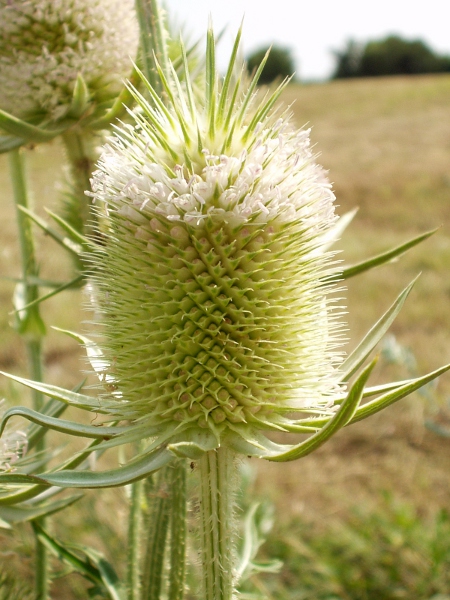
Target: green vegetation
x=385, y=554
x=280, y=63
x=389, y=56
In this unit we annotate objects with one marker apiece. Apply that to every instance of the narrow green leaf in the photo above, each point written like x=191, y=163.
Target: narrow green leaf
x=63, y=241
x=18, y=479
x=253, y=443
x=142, y=466
x=26, y=131
x=365, y=347
x=254, y=535
x=385, y=257
x=66, y=396
x=107, y=573
x=34, y=280
x=63, y=426
x=37, y=486
x=370, y=408
x=10, y=142
x=391, y=392
x=19, y=514
x=342, y=417
x=84, y=567
x=250, y=540
x=136, y=469
x=61, y=288
x=76, y=237
x=52, y=408
x=231, y=107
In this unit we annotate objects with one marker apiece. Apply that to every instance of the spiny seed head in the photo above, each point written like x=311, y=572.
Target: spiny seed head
x=47, y=44
x=211, y=283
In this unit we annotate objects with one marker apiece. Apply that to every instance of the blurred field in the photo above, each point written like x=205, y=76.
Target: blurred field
x=386, y=143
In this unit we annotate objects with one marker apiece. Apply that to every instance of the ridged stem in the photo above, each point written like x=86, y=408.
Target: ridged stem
x=153, y=40
x=32, y=329
x=82, y=157
x=178, y=532
x=168, y=496
x=218, y=479
x=157, y=528
x=134, y=539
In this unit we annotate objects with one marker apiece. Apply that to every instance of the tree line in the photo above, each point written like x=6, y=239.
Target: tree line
x=392, y=55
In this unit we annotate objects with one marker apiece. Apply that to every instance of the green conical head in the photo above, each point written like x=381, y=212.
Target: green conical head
x=210, y=287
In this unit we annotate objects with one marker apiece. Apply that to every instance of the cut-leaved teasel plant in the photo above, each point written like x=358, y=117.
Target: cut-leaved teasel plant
x=218, y=304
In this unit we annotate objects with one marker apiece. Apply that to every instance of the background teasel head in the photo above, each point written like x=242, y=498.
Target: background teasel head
x=50, y=45
x=215, y=311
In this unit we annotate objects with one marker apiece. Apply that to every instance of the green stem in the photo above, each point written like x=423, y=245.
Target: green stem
x=158, y=525
x=82, y=157
x=28, y=322
x=218, y=479
x=153, y=40
x=178, y=532
x=134, y=537
x=31, y=327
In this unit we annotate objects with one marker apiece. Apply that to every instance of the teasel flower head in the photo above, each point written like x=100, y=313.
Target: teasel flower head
x=63, y=59
x=211, y=286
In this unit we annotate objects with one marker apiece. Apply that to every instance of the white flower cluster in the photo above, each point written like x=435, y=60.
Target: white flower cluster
x=47, y=43
x=276, y=178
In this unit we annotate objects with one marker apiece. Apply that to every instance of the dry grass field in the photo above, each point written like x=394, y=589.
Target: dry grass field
x=386, y=144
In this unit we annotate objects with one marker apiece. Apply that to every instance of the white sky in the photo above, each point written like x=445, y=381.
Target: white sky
x=313, y=29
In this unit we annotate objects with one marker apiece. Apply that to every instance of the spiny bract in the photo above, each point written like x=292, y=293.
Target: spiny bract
x=211, y=284
x=47, y=44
